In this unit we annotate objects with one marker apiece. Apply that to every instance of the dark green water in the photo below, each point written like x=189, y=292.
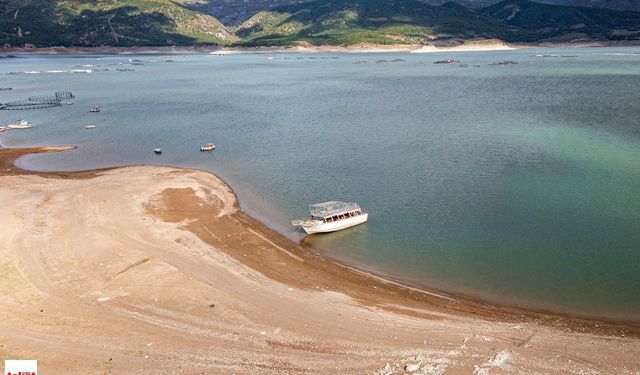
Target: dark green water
x=519, y=184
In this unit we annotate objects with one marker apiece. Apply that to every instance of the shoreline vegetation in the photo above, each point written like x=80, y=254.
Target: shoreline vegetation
x=308, y=48
x=177, y=268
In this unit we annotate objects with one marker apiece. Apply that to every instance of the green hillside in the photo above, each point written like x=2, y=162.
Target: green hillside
x=416, y=22
x=334, y=22
x=366, y=21
x=107, y=22
x=529, y=22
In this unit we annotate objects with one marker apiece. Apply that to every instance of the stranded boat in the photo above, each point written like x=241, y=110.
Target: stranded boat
x=207, y=147
x=332, y=216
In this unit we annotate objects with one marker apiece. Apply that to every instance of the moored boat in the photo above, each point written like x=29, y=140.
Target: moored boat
x=332, y=216
x=20, y=124
x=446, y=61
x=207, y=147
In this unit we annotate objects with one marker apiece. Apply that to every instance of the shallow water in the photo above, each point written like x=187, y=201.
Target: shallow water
x=519, y=184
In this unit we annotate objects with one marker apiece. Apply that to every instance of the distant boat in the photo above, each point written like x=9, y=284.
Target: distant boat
x=95, y=109
x=68, y=103
x=20, y=124
x=507, y=62
x=447, y=61
x=332, y=216
x=207, y=147
x=157, y=151
x=90, y=127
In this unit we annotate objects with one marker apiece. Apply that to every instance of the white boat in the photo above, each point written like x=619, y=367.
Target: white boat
x=332, y=216
x=207, y=147
x=90, y=127
x=20, y=124
x=158, y=151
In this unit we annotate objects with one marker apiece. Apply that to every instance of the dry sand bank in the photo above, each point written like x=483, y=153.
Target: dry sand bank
x=303, y=47
x=156, y=268
x=371, y=48
x=300, y=48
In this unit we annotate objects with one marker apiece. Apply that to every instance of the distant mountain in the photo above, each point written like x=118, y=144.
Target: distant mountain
x=528, y=22
x=609, y=4
x=413, y=21
x=106, y=22
x=366, y=21
x=335, y=22
x=234, y=12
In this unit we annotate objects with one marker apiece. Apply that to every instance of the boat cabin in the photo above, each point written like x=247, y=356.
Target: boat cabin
x=332, y=211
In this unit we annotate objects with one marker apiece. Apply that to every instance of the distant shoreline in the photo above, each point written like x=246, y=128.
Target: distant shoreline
x=307, y=48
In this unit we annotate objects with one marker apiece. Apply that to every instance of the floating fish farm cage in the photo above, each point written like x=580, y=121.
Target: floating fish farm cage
x=35, y=102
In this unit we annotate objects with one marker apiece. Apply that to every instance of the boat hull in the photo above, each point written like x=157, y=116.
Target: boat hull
x=336, y=225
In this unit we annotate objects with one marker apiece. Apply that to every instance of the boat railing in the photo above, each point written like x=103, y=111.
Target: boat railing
x=332, y=208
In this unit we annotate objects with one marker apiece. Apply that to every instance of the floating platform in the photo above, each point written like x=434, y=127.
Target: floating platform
x=37, y=102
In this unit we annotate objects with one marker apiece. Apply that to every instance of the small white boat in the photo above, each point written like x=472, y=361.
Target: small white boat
x=207, y=147
x=90, y=127
x=157, y=151
x=94, y=109
x=332, y=216
x=20, y=124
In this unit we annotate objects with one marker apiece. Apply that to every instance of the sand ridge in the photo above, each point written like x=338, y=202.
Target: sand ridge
x=157, y=269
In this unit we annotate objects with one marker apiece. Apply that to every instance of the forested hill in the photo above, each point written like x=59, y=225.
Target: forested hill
x=336, y=22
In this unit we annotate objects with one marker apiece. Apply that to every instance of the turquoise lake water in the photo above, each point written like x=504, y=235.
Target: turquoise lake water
x=518, y=184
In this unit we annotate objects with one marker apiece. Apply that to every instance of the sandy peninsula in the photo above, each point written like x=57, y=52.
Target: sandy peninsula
x=157, y=270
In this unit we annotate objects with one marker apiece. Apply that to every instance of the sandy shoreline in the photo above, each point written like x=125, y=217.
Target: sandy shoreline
x=306, y=48
x=176, y=277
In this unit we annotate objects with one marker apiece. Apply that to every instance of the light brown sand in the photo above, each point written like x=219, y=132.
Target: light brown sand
x=156, y=269
x=303, y=47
